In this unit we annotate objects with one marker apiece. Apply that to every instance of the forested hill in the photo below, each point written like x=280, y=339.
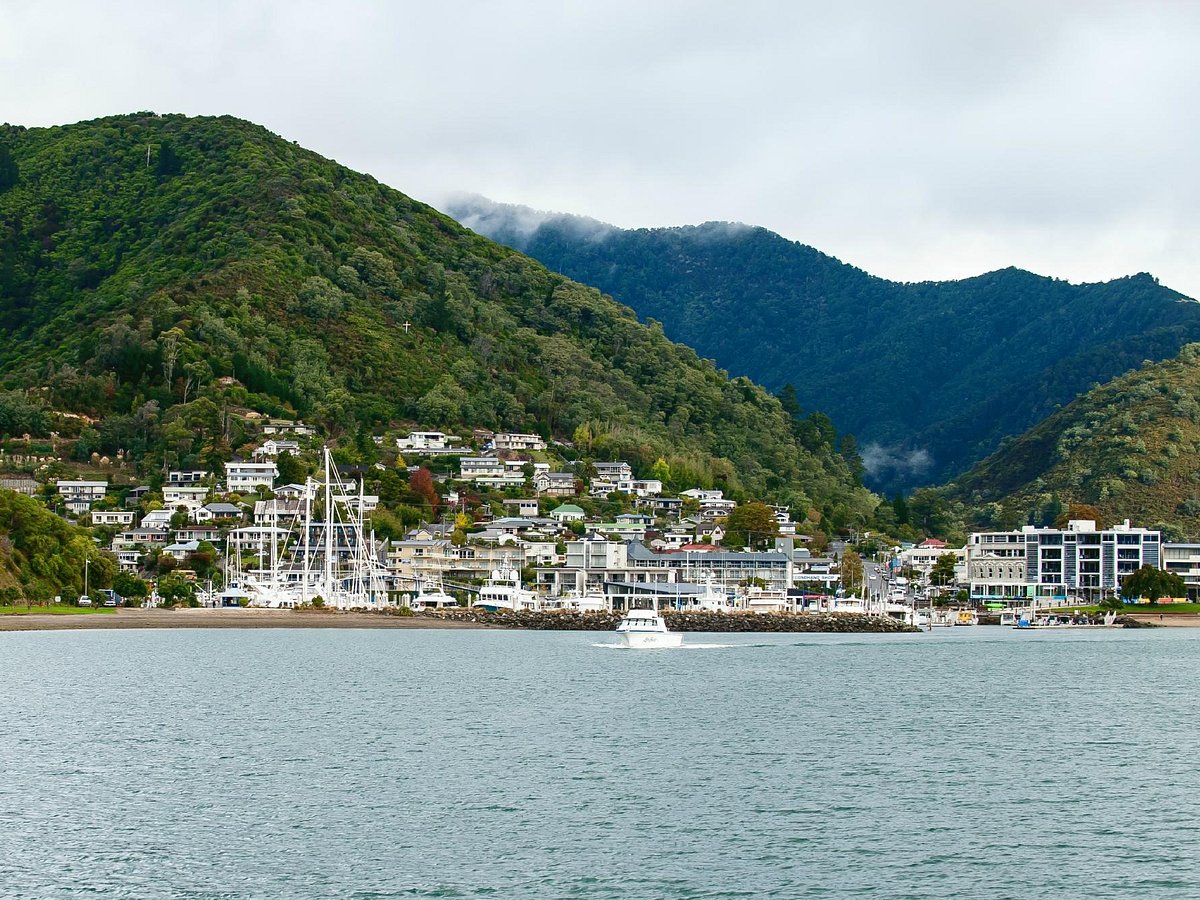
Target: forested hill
x=158, y=272
x=1129, y=448
x=943, y=369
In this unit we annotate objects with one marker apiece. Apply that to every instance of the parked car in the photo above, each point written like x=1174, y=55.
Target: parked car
x=84, y=600
x=111, y=597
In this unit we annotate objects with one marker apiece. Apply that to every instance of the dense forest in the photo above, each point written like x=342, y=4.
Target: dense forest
x=929, y=377
x=1126, y=449
x=160, y=275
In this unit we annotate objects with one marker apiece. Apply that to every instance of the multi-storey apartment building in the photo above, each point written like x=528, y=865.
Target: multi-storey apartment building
x=1080, y=561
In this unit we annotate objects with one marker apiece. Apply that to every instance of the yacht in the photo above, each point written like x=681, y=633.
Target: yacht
x=504, y=592
x=436, y=598
x=645, y=629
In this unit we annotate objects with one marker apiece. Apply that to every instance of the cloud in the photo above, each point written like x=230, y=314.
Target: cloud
x=883, y=462
x=921, y=140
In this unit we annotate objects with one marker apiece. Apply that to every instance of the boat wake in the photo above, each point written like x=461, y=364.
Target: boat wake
x=684, y=646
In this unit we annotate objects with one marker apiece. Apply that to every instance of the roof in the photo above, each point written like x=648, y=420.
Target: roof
x=224, y=507
x=567, y=508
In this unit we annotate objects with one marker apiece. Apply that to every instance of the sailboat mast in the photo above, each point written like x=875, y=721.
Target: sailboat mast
x=328, y=531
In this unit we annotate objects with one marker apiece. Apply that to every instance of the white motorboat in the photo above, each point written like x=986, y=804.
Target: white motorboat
x=434, y=598
x=504, y=592
x=645, y=629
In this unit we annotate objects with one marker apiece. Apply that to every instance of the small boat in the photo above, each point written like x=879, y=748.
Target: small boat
x=1064, y=620
x=645, y=629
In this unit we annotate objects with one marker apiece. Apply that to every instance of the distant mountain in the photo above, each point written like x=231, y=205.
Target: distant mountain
x=929, y=377
x=158, y=272
x=1130, y=448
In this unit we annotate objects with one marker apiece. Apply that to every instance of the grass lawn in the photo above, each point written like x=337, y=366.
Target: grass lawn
x=56, y=609
x=1140, y=608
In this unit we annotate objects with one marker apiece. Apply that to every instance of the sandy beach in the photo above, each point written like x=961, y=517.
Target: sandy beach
x=1169, y=620
x=221, y=618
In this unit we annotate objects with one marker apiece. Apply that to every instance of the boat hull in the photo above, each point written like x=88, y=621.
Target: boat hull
x=650, y=640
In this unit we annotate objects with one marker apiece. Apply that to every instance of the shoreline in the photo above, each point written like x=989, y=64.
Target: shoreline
x=136, y=618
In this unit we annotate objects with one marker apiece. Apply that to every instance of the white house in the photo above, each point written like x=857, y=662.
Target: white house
x=157, y=518
x=247, y=477
x=113, y=517
x=700, y=494
x=433, y=443
x=647, y=487
x=287, y=426
x=472, y=468
x=522, y=506
x=190, y=496
x=217, y=511
x=504, y=440
x=182, y=549
x=272, y=448
x=128, y=560
x=82, y=490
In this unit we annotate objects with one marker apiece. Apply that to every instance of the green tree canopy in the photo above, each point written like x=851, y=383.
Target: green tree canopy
x=1152, y=583
x=750, y=525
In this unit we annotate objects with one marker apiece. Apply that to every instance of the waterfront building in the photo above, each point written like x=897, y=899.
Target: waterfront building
x=922, y=558
x=1184, y=561
x=1080, y=561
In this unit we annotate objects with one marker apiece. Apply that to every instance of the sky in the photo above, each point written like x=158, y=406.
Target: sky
x=917, y=140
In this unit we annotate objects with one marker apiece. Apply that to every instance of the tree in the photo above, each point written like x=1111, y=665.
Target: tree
x=789, y=401
x=852, y=570
x=1153, y=584
x=1079, y=511
x=8, y=169
x=168, y=162
x=942, y=572
x=848, y=448
x=421, y=484
x=130, y=586
x=750, y=525
x=291, y=470
x=176, y=589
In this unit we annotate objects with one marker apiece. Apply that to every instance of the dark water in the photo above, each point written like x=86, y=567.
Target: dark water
x=970, y=763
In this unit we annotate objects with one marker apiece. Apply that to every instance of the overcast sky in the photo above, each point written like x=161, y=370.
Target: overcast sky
x=916, y=140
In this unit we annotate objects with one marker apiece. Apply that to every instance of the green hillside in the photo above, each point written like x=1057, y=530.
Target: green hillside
x=1130, y=448
x=929, y=377
x=158, y=273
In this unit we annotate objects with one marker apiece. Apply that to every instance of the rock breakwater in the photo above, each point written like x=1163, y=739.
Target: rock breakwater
x=561, y=620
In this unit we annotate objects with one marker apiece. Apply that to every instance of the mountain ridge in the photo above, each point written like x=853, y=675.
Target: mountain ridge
x=157, y=270
x=858, y=346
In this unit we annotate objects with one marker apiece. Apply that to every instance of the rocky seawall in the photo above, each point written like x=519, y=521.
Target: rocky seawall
x=847, y=623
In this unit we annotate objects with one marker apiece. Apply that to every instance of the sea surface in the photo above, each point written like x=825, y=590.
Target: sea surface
x=970, y=762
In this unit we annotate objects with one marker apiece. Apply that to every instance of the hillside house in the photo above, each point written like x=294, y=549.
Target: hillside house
x=247, y=477
x=505, y=440
x=113, y=517
x=555, y=484
x=177, y=477
x=272, y=448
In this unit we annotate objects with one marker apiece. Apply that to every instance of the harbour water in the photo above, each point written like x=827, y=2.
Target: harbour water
x=976, y=762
